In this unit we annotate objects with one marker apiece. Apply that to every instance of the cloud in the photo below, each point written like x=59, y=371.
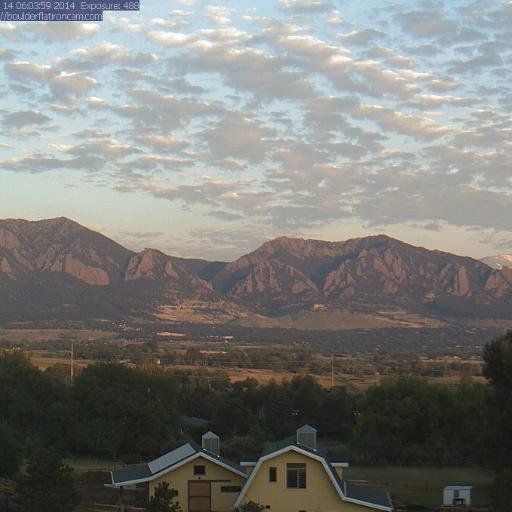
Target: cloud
x=37, y=163
x=218, y=14
x=101, y=146
x=6, y=54
x=305, y=6
x=62, y=30
x=63, y=86
x=24, y=118
x=427, y=23
x=238, y=137
x=166, y=112
x=259, y=120
x=104, y=54
x=388, y=119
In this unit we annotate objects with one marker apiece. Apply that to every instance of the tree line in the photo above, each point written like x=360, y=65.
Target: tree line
x=111, y=410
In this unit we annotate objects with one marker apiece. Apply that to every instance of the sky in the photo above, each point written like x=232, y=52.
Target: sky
x=205, y=128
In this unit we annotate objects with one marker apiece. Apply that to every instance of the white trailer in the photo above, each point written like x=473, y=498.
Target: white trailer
x=457, y=495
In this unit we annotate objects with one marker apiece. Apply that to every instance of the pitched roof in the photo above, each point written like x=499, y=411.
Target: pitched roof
x=372, y=497
x=306, y=429
x=131, y=475
x=210, y=435
x=368, y=494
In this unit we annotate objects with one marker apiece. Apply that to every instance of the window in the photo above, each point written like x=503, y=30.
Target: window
x=296, y=476
x=199, y=470
x=272, y=474
x=230, y=488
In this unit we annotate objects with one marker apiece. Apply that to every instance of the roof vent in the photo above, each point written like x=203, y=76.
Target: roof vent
x=211, y=443
x=306, y=436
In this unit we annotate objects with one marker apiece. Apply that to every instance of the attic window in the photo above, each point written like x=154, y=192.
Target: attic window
x=296, y=476
x=199, y=470
x=272, y=474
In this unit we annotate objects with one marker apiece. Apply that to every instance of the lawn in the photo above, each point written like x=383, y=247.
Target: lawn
x=424, y=485
x=84, y=464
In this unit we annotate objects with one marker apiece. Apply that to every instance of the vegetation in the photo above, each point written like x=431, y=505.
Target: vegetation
x=121, y=411
x=423, y=485
x=163, y=500
x=47, y=485
x=114, y=411
x=10, y=460
x=411, y=422
x=502, y=491
x=251, y=506
x=498, y=370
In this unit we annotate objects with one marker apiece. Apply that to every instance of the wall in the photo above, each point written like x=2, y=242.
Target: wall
x=179, y=478
x=320, y=494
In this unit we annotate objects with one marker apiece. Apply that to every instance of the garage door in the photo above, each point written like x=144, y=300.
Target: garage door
x=199, y=496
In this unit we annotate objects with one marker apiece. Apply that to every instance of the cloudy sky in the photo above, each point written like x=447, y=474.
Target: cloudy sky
x=204, y=128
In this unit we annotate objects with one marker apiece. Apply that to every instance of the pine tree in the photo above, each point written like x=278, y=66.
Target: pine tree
x=47, y=485
x=163, y=499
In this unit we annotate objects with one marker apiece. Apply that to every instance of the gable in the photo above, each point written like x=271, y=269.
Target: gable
x=176, y=459
x=185, y=472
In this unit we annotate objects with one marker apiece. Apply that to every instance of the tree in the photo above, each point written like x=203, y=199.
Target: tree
x=47, y=485
x=502, y=491
x=122, y=411
x=10, y=458
x=498, y=370
x=498, y=364
x=409, y=421
x=27, y=395
x=163, y=499
x=251, y=506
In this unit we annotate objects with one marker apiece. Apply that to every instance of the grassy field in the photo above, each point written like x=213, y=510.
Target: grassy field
x=34, y=335
x=83, y=464
x=424, y=485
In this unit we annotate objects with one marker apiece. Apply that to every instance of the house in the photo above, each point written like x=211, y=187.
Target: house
x=205, y=481
x=294, y=476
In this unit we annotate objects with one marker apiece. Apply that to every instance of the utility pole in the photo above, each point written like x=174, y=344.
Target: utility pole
x=332, y=369
x=72, y=368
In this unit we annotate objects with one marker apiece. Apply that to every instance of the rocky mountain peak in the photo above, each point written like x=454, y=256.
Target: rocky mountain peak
x=61, y=259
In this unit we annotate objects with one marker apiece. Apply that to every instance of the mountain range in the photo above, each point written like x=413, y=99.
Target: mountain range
x=58, y=269
x=500, y=261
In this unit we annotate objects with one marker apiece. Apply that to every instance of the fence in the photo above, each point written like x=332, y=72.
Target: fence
x=103, y=507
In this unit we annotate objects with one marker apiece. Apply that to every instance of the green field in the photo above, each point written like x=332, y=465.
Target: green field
x=83, y=464
x=424, y=485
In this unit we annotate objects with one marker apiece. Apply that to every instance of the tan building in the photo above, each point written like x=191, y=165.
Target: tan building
x=289, y=476
x=205, y=481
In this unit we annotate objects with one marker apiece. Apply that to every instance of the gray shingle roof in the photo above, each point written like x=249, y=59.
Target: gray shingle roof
x=368, y=494
x=130, y=473
x=306, y=429
x=143, y=472
x=171, y=458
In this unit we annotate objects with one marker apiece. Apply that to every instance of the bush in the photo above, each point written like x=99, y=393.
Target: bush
x=163, y=499
x=502, y=491
x=251, y=506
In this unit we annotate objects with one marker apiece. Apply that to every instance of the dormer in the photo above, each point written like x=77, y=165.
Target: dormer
x=306, y=436
x=211, y=443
